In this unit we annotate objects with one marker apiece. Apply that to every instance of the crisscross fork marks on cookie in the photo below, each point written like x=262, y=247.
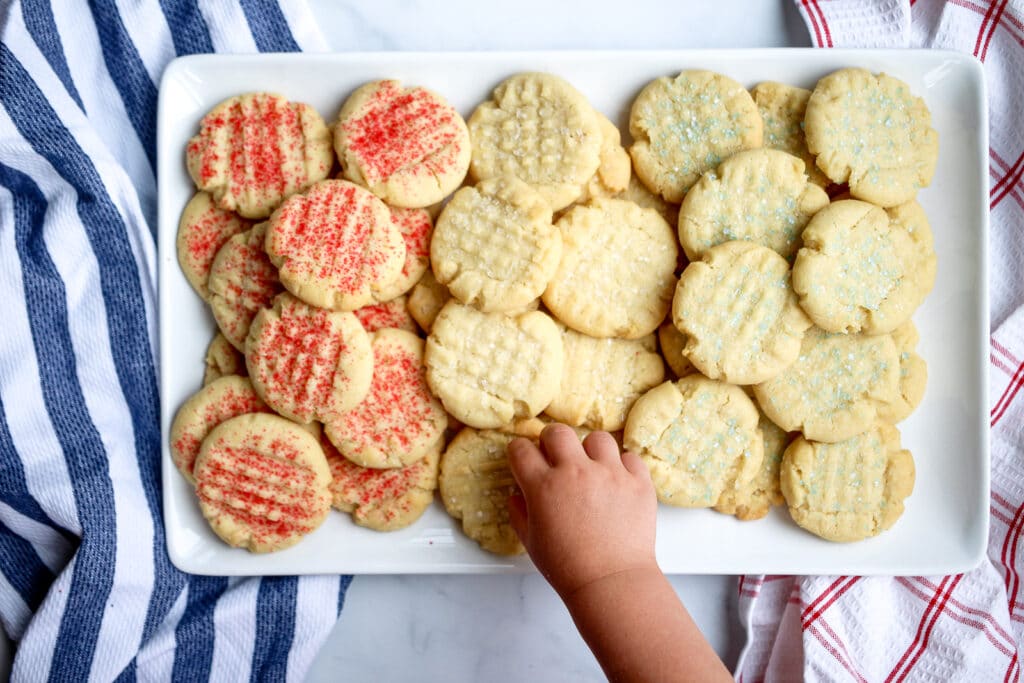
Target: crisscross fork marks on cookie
x=539, y=129
x=489, y=368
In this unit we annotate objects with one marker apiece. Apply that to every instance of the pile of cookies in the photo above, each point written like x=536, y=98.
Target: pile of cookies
x=381, y=337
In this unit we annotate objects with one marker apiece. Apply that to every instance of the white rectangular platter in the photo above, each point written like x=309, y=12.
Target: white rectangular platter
x=945, y=526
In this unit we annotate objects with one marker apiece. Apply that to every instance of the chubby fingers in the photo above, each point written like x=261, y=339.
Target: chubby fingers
x=526, y=461
x=601, y=447
x=560, y=444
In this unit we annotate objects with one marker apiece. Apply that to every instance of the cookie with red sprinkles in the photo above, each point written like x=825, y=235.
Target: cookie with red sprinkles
x=216, y=402
x=407, y=145
x=416, y=227
x=383, y=500
x=399, y=419
x=202, y=231
x=390, y=314
x=263, y=482
x=308, y=363
x=242, y=281
x=336, y=246
x=255, y=150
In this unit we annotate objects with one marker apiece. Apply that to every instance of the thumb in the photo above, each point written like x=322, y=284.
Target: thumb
x=517, y=515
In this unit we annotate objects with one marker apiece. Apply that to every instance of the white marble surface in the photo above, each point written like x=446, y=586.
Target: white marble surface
x=513, y=628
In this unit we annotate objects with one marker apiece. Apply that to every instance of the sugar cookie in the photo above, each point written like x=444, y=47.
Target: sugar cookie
x=262, y=482
x=383, y=500
x=255, y=150
x=913, y=376
x=399, y=419
x=835, y=388
x=336, y=246
x=782, y=109
x=427, y=299
x=739, y=313
x=615, y=167
x=494, y=246
x=390, y=314
x=761, y=195
x=407, y=145
x=489, y=368
x=242, y=282
x=698, y=437
x=871, y=132
x=616, y=277
x=541, y=130
x=416, y=227
x=754, y=499
x=672, y=343
x=216, y=402
x=686, y=125
x=858, y=271
x=475, y=484
x=202, y=231
x=308, y=363
x=222, y=359
x=602, y=379
x=851, y=490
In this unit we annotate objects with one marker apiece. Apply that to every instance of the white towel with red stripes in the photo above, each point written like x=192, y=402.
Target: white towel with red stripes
x=840, y=628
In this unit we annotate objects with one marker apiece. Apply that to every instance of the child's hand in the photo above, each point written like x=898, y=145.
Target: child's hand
x=586, y=512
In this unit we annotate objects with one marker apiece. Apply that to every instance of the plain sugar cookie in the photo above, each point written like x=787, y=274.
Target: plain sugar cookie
x=476, y=483
x=308, y=363
x=490, y=368
x=427, y=299
x=617, y=273
x=851, y=490
x=739, y=313
x=859, y=271
x=202, y=231
x=672, y=342
x=541, y=130
x=698, y=437
x=262, y=482
x=761, y=195
x=686, y=125
x=336, y=246
x=399, y=419
x=872, y=133
x=222, y=359
x=242, y=282
x=835, y=388
x=494, y=246
x=407, y=145
x=602, y=379
x=255, y=150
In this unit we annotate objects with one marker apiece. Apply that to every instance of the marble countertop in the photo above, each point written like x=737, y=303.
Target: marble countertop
x=512, y=628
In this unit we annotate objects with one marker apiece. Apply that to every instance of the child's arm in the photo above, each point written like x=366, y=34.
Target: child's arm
x=587, y=518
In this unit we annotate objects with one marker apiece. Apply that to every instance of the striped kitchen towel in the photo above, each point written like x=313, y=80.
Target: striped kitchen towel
x=86, y=588
x=969, y=626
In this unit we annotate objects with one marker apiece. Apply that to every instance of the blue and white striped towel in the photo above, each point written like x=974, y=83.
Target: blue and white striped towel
x=86, y=587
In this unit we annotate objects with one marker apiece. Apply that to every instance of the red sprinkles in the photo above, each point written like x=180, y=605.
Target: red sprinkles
x=398, y=128
x=330, y=234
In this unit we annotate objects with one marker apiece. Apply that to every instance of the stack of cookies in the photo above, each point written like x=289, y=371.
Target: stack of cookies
x=388, y=330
